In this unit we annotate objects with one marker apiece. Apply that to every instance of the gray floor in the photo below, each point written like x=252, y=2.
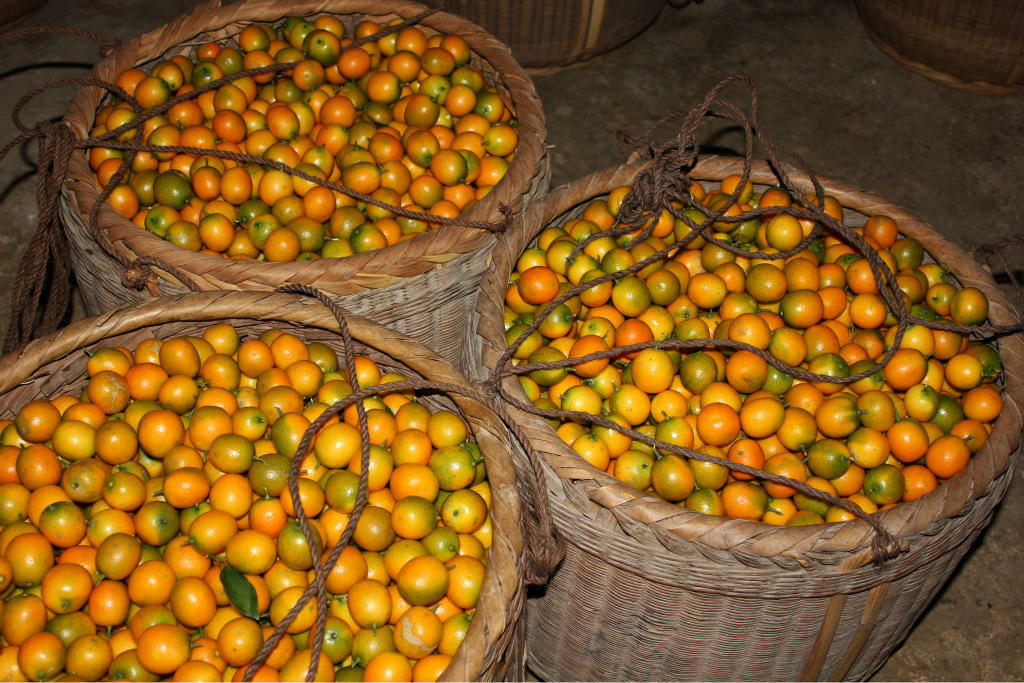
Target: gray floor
x=825, y=91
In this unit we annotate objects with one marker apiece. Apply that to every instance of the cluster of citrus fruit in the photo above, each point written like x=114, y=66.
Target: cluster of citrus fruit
x=887, y=438
x=147, y=529
x=406, y=120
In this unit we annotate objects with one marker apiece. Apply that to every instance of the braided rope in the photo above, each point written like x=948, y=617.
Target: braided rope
x=107, y=45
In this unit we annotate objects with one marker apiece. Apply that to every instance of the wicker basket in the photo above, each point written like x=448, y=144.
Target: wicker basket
x=974, y=46
x=55, y=365
x=413, y=286
x=552, y=35
x=653, y=591
x=13, y=12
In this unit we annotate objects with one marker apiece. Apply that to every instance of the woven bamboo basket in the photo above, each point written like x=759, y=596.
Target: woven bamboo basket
x=55, y=365
x=553, y=35
x=13, y=12
x=413, y=286
x=653, y=591
x=974, y=46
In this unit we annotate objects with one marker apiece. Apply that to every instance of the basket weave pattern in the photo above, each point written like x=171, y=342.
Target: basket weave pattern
x=413, y=285
x=55, y=365
x=13, y=12
x=549, y=35
x=974, y=46
x=650, y=590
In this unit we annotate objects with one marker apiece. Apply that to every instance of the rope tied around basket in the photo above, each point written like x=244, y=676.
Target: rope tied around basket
x=676, y=157
x=56, y=145
x=317, y=590
x=664, y=183
x=47, y=258
x=137, y=270
x=987, y=253
x=544, y=545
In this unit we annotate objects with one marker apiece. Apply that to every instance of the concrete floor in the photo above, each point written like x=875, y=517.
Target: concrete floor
x=825, y=91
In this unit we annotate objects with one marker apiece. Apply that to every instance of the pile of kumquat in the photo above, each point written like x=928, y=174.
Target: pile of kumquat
x=147, y=530
x=407, y=120
x=887, y=438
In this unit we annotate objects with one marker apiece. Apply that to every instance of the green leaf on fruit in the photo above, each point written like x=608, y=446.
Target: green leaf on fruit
x=240, y=592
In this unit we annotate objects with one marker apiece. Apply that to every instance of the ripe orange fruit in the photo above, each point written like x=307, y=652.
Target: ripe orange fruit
x=66, y=588
x=41, y=656
x=947, y=455
x=31, y=557
x=718, y=424
x=423, y=580
x=884, y=484
x=163, y=648
x=919, y=481
x=109, y=603
x=239, y=640
x=744, y=500
x=89, y=657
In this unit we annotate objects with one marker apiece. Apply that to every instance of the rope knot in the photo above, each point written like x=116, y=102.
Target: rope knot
x=984, y=254
x=657, y=187
x=886, y=547
x=136, y=276
x=641, y=146
x=60, y=136
x=665, y=181
x=490, y=387
x=506, y=218
x=108, y=47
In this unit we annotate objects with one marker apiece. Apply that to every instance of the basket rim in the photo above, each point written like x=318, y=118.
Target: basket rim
x=373, y=269
x=718, y=534
x=504, y=576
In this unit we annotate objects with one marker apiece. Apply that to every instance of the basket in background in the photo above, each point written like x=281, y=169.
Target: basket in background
x=13, y=12
x=553, y=35
x=975, y=46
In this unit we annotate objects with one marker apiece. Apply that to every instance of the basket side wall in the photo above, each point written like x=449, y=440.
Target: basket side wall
x=597, y=621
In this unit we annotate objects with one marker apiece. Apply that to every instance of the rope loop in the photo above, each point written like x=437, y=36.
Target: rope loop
x=136, y=277
x=107, y=45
